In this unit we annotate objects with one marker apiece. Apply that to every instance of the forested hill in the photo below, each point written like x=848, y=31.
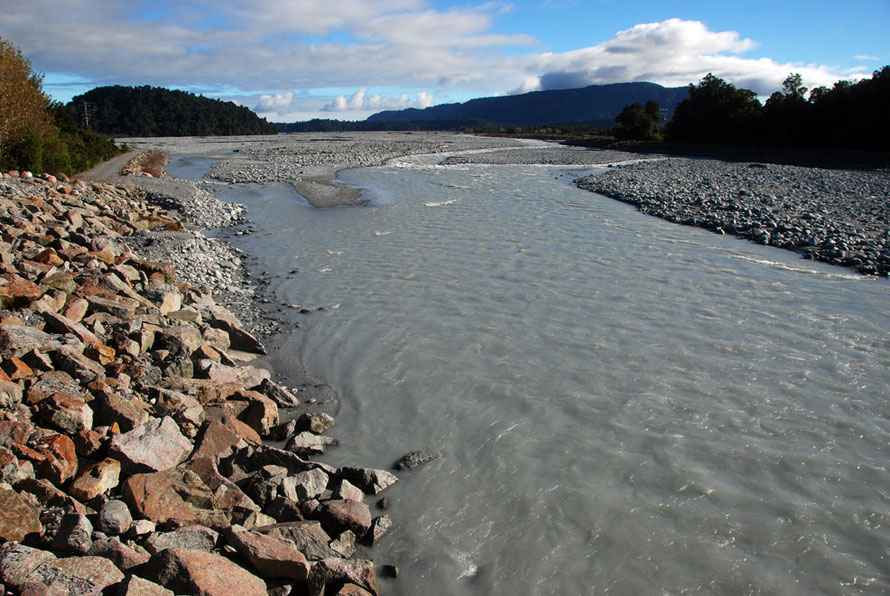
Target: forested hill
x=597, y=105
x=157, y=112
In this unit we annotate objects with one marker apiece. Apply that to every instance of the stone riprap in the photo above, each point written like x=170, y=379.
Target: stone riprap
x=836, y=216
x=132, y=420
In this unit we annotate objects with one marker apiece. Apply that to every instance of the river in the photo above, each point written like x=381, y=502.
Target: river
x=618, y=404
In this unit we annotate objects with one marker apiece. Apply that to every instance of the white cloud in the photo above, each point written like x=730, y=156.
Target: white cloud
x=867, y=57
x=280, y=103
x=425, y=100
x=673, y=53
x=278, y=55
x=261, y=44
x=360, y=101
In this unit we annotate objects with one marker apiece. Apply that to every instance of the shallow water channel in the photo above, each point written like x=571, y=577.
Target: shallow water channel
x=619, y=404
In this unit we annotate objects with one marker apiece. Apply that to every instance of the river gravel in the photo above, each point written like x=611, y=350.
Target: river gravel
x=837, y=216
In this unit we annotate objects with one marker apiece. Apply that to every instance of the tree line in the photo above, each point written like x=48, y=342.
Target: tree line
x=36, y=133
x=157, y=112
x=846, y=116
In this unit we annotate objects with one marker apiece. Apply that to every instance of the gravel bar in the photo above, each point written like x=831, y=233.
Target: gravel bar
x=836, y=216
x=310, y=161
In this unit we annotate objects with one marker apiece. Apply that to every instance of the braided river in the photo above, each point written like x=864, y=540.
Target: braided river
x=618, y=405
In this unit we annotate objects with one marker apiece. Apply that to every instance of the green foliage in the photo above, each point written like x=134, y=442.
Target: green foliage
x=715, y=112
x=27, y=151
x=153, y=111
x=639, y=123
x=36, y=134
x=23, y=106
x=847, y=116
x=852, y=115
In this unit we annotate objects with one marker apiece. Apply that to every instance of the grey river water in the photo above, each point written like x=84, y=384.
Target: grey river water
x=619, y=404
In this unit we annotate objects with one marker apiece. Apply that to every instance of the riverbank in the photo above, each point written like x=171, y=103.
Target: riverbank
x=135, y=414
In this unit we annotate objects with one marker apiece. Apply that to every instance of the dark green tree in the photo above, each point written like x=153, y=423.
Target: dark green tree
x=639, y=123
x=154, y=111
x=788, y=116
x=715, y=112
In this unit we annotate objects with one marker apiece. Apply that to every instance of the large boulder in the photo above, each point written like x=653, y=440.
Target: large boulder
x=87, y=576
x=308, y=536
x=304, y=485
x=239, y=339
x=178, y=496
x=190, y=537
x=136, y=586
x=154, y=446
x=360, y=572
x=96, y=480
x=122, y=555
x=18, y=562
x=270, y=556
x=74, y=534
x=69, y=413
x=17, y=518
x=370, y=480
x=340, y=515
x=18, y=340
x=197, y=572
x=57, y=458
x=84, y=576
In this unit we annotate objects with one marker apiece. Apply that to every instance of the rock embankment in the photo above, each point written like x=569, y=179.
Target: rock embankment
x=132, y=422
x=840, y=217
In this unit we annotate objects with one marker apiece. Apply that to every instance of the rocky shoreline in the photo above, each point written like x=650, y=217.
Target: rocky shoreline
x=840, y=217
x=134, y=427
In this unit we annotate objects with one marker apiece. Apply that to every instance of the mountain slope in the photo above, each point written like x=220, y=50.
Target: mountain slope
x=594, y=105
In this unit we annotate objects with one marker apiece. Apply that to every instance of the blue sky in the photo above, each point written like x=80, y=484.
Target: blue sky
x=298, y=59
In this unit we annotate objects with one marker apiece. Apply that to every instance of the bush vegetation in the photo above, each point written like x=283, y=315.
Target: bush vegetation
x=37, y=134
x=637, y=122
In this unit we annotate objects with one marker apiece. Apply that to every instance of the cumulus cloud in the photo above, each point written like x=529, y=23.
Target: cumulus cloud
x=424, y=100
x=280, y=55
x=360, y=101
x=280, y=103
x=673, y=53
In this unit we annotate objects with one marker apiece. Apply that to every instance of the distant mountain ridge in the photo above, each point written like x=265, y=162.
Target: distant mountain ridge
x=596, y=105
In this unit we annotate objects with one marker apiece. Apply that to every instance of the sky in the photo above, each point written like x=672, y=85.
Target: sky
x=291, y=60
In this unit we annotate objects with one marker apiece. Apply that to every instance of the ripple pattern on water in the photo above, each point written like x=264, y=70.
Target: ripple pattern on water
x=621, y=405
